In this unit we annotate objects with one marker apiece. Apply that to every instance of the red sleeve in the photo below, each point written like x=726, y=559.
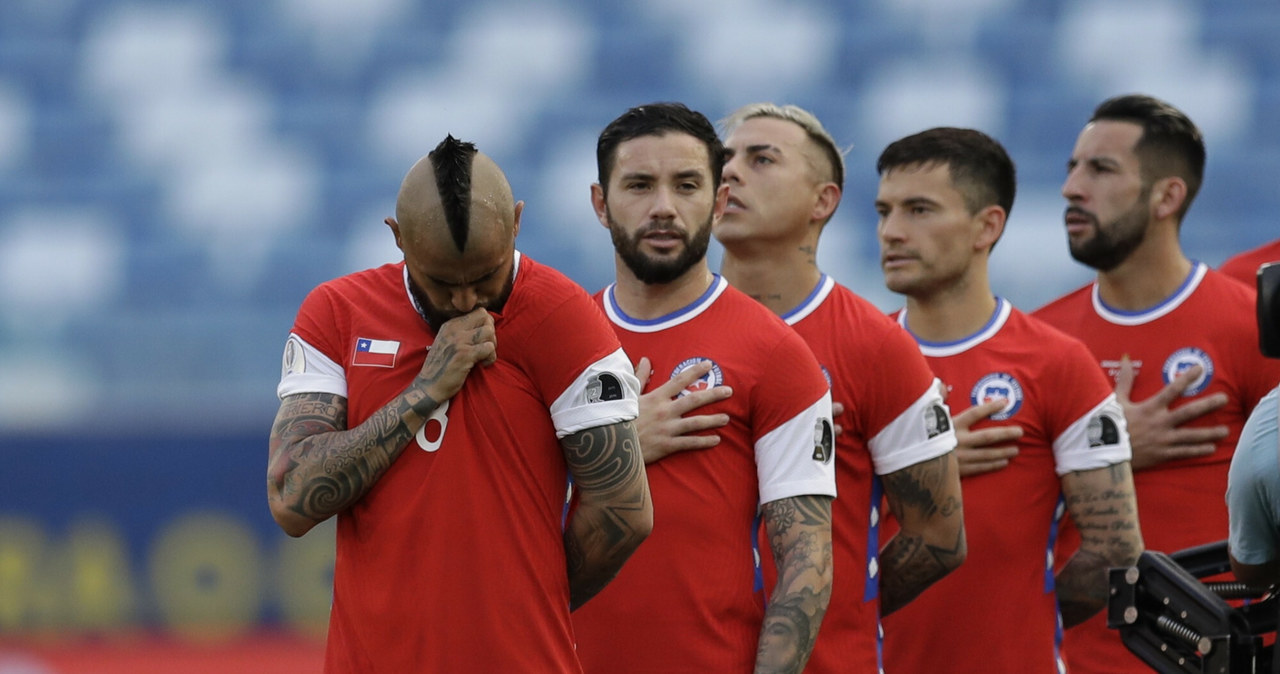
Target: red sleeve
x=317, y=322
x=1075, y=385
x=896, y=388
x=570, y=338
x=790, y=382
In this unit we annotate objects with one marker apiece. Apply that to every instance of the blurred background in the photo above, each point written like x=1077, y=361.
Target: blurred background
x=175, y=175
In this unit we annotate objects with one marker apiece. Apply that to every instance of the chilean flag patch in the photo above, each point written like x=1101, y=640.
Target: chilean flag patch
x=375, y=352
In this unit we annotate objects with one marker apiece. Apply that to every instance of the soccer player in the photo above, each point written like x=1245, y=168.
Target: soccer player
x=785, y=177
x=944, y=198
x=690, y=600
x=1244, y=266
x=1179, y=337
x=438, y=407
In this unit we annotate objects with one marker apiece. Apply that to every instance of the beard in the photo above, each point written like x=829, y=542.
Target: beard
x=1114, y=243
x=652, y=270
x=436, y=316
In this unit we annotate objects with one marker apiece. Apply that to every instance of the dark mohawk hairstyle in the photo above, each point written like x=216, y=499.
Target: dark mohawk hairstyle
x=452, y=163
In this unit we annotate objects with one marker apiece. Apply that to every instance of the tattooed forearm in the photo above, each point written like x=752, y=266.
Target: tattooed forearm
x=925, y=499
x=1103, y=504
x=909, y=566
x=318, y=467
x=799, y=531
x=614, y=513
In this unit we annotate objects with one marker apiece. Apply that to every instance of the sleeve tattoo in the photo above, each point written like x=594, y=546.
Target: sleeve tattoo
x=614, y=512
x=925, y=499
x=1103, y=504
x=799, y=531
x=318, y=468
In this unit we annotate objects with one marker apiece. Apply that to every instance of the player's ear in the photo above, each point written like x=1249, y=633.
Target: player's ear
x=598, y=203
x=991, y=220
x=825, y=204
x=1167, y=196
x=515, y=229
x=722, y=200
x=395, y=230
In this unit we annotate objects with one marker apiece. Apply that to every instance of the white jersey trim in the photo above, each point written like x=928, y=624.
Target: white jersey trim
x=943, y=349
x=785, y=463
x=906, y=440
x=683, y=315
x=1088, y=444
x=1119, y=317
x=579, y=407
x=309, y=372
x=812, y=302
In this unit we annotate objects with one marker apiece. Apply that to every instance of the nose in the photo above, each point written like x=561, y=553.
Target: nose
x=463, y=299
x=731, y=173
x=1071, y=186
x=887, y=229
x=663, y=206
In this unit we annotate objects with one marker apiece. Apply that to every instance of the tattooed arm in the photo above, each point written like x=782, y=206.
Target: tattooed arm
x=614, y=513
x=925, y=499
x=318, y=467
x=1104, y=507
x=799, y=531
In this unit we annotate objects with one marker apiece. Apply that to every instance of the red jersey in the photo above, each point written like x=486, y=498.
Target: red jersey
x=1244, y=266
x=998, y=612
x=890, y=422
x=454, y=561
x=690, y=599
x=1208, y=321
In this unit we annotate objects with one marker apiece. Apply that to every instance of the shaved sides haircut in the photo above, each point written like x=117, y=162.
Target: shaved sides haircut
x=451, y=161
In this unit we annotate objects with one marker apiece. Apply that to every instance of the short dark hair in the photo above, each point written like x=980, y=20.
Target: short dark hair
x=980, y=168
x=1170, y=144
x=657, y=119
x=452, y=160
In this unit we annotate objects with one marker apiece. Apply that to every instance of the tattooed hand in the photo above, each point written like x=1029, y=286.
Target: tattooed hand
x=460, y=343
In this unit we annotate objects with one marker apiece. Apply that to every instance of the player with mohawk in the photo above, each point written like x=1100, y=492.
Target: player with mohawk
x=448, y=480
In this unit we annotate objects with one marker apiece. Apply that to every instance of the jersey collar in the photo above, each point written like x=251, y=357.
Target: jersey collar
x=812, y=302
x=1121, y=317
x=682, y=315
x=941, y=349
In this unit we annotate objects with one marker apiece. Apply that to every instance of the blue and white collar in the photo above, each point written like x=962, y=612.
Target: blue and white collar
x=941, y=349
x=1121, y=317
x=682, y=315
x=812, y=302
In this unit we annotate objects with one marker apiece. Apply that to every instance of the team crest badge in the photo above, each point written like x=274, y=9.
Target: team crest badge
x=711, y=379
x=1182, y=360
x=998, y=385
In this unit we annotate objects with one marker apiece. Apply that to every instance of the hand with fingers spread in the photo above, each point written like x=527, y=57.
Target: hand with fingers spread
x=662, y=425
x=988, y=449
x=1157, y=433
x=461, y=343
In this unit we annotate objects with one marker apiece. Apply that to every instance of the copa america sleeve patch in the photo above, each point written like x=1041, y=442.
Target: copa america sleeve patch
x=1098, y=439
x=606, y=392
x=305, y=369
x=920, y=432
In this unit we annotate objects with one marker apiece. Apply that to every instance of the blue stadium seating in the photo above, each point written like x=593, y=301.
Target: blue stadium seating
x=181, y=330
